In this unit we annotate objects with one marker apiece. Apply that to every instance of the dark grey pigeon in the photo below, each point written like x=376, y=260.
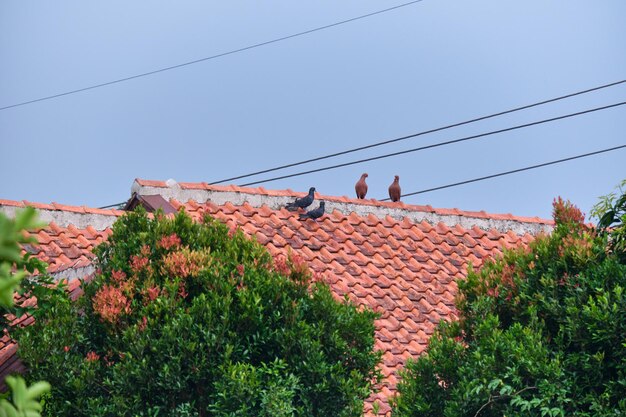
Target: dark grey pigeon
x=303, y=202
x=314, y=214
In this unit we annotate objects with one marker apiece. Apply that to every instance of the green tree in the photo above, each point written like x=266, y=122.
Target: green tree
x=611, y=213
x=540, y=333
x=186, y=318
x=14, y=269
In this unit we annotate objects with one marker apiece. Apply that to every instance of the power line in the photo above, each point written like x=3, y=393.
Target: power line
x=373, y=145
x=511, y=172
x=467, y=138
x=234, y=51
x=500, y=174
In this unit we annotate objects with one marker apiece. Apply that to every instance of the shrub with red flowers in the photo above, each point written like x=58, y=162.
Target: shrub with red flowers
x=186, y=318
x=540, y=333
x=564, y=212
x=110, y=303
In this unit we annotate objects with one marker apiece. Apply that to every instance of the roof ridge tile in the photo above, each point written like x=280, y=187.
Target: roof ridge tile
x=13, y=203
x=202, y=192
x=42, y=206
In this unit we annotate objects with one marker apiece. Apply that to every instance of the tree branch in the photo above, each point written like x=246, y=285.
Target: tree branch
x=499, y=397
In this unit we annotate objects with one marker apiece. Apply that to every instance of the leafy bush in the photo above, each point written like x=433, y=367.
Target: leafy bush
x=14, y=278
x=611, y=213
x=541, y=333
x=189, y=319
x=16, y=268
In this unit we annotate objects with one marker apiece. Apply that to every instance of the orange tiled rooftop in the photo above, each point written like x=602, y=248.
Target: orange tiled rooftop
x=397, y=259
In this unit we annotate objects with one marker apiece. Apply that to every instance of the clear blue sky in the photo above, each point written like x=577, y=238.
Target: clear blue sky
x=408, y=70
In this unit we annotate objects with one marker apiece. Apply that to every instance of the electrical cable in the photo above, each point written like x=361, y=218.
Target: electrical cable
x=510, y=172
x=234, y=51
x=373, y=145
x=500, y=174
x=449, y=142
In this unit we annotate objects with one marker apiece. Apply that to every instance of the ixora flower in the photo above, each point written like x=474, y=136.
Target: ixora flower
x=153, y=293
x=110, y=302
x=92, y=357
x=118, y=276
x=168, y=242
x=565, y=212
x=185, y=263
x=138, y=263
x=280, y=266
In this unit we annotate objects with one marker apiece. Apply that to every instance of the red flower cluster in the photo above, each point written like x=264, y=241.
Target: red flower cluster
x=182, y=290
x=580, y=247
x=184, y=263
x=503, y=282
x=138, y=263
x=280, y=266
x=143, y=324
x=292, y=266
x=118, y=276
x=109, y=303
x=153, y=293
x=168, y=242
x=92, y=357
x=565, y=212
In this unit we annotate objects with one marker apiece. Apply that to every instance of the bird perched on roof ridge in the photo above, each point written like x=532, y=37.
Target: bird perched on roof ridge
x=302, y=202
x=315, y=213
x=361, y=187
x=394, y=189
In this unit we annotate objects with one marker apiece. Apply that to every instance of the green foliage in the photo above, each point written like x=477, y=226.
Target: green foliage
x=541, y=333
x=11, y=237
x=611, y=214
x=188, y=319
x=25, y=399
x=13, y=275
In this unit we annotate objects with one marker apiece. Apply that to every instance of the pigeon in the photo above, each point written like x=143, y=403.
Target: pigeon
x=315, y=213
x=303, y=202
x=361, y=187
x=394, y=189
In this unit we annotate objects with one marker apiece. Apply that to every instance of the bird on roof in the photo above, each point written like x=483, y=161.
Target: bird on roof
x=302, y=202
x=361, y=187
x=315, y=213
x=394, y=189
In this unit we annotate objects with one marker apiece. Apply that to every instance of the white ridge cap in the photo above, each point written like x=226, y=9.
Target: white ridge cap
x=236, y=197
x=64, y=216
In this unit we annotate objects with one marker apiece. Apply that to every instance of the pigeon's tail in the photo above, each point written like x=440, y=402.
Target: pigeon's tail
x=304, y=216
x=291, y=207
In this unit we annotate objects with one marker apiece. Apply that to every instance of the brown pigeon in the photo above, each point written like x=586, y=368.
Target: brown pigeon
x=394, y=189
x=361, y=187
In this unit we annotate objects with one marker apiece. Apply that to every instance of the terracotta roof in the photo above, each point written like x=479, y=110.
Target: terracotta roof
x=400, y=260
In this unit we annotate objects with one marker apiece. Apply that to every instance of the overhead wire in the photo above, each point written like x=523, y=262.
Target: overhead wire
x=514, y=171
x=425, y=132
x=449, y=142
x=500, y=174
x=196, y=61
